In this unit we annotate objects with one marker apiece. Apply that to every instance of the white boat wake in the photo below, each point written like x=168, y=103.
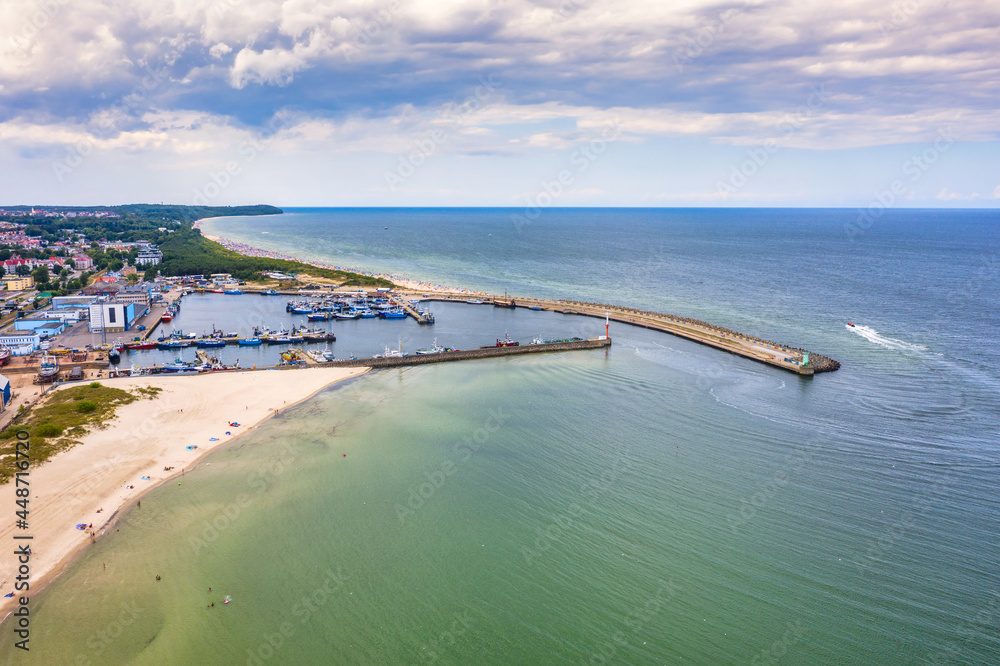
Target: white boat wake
x=871, y=335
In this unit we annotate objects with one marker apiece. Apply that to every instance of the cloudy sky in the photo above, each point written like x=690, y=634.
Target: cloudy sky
x=500, y=102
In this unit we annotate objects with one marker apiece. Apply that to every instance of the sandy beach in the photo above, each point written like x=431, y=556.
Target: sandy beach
x=92, y=482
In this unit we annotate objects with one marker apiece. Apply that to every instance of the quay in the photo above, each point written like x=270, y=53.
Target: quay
x=469, y=354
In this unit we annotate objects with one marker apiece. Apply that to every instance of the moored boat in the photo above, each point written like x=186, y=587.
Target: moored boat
x=48, y=370
x=269, y=292
x=5, y=354
x=506, y=342
x=249, y=342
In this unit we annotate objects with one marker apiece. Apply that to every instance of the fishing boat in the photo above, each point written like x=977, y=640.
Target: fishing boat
x=269, y=292
x=234, y=292
x=48, y=370
x=321, y=336
x=167, y=316
x=319, y=316
x=249, y=342
x=366, y=314
x=179, y=366
x=277, y=339
x=398, y=313
x=301, y=309
x=347, y=315
x=136, y=346
x=5, y=354
x=390, y=353
x=436, y=349
x=173, y=343
x=114, y=356
x=210, y=342
x=534, y=307
x=510, y=305
x=506, y=342
x=328, y=354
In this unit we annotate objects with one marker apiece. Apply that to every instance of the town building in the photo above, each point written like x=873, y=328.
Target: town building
x=148, y=257
x=83, y=262
x=21, y=345
x=18, y=283
x=112, y=317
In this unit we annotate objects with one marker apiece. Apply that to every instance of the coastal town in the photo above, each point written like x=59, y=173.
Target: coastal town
x=115, y=304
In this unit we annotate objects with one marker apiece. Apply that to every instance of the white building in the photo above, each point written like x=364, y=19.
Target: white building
x=22, y=344
x=148, y=257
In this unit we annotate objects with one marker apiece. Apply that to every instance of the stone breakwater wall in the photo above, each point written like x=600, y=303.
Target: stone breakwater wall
x=469, y=354
x=818, y=362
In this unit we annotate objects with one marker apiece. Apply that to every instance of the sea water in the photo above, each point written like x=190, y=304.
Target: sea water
x=656, y=502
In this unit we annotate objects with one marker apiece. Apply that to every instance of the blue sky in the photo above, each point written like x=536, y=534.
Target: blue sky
x=506, y=102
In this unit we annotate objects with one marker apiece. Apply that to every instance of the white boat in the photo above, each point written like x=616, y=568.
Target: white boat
x=474, y=301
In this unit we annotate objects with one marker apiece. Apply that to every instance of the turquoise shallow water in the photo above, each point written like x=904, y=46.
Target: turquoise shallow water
x=656, y=503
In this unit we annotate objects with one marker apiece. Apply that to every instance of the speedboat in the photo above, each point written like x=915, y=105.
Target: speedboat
x=474, y=301
x=850, y=324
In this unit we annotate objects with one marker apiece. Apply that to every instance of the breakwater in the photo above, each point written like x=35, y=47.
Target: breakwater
x=786, y=357
x=470, y=354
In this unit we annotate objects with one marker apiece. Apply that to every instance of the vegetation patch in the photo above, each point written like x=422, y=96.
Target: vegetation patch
x=62, y=419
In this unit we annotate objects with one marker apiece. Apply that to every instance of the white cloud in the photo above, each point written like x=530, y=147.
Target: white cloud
x=220, y=50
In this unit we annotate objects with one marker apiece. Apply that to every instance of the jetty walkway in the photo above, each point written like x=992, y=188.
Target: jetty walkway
x=772, y=353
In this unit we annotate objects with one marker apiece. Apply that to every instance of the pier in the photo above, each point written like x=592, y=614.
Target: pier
x=786, y=357
x=469, y=354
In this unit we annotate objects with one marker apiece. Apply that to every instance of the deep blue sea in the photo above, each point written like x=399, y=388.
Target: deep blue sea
x=659, y=502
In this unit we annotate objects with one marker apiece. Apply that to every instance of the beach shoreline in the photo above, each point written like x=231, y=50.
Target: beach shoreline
x=403, y=282
x=98, y=481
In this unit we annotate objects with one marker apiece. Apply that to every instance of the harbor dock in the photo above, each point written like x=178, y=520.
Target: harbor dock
x=469, y=354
